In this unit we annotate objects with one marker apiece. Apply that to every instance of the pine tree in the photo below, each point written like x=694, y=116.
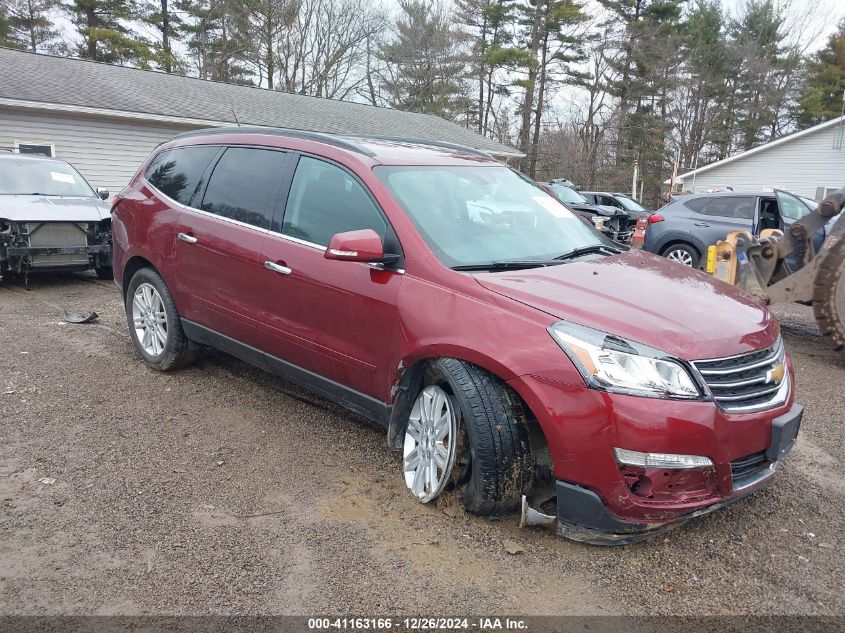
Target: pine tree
x=30, y=23
x=218, y=36
x=159, y=14
x=767, y=74
x=102, y=25
x=486, y=24
x=425, y=71
x=824, y=86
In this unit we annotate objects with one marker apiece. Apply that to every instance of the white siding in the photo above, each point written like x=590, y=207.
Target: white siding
x=106, y=151
x=799, y=166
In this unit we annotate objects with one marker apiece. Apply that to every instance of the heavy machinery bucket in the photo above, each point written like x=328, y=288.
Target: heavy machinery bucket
x=758, y=266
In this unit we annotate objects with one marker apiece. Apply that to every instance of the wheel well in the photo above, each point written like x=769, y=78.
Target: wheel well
x=133, y=266
x=411, y=382
x=672, y=243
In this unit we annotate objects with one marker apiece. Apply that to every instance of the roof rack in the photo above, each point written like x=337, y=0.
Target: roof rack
x=329, y=139
x=422, y=141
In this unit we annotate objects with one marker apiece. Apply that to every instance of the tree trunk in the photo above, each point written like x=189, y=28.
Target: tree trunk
x=530, y=83
x=535, y=141
x=165, y=36
x=91, y=24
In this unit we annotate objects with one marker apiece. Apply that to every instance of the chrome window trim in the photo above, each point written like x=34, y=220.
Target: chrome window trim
x=258, y=229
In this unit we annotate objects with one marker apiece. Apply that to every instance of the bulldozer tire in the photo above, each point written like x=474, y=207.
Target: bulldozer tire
x=829, y=295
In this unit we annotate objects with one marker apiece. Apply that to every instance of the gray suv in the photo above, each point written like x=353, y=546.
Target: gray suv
x=684, y=228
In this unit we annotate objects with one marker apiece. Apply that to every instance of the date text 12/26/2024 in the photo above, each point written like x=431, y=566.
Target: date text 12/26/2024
x=418, y=624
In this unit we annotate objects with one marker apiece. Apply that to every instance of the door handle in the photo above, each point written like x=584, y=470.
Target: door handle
x=700, y=224
x=189, y=239
x=278, y=268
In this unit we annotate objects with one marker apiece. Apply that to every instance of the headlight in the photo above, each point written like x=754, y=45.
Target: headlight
x=614, y=364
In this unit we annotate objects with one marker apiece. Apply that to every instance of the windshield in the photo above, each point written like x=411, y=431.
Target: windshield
x=28, y=177
x=569, y=195
x=480, y=215
x=629, y=203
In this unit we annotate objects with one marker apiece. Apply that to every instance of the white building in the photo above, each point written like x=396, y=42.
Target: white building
x=808, y=163
x=105, y=120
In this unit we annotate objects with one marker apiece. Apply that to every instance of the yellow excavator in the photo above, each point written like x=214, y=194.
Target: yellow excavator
x=784, y=266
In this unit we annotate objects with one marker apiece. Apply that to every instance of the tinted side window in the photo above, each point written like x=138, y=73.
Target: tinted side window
x=177, y=172
x=741, y=208
x=325, y=200
x=697, y=204
x=243, y=184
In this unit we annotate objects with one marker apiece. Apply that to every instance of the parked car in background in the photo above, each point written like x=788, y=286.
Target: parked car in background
x=618, y=200
x=50, y=218
x=613, y=222
x=683, y=229
x=505, y=348
x=564, y=182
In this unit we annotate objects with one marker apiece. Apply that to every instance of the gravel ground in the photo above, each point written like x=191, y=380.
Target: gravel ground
x=221, y=489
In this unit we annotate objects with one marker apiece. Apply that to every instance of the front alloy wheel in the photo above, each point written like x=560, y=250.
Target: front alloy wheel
x=149, y=319
x=430, y=440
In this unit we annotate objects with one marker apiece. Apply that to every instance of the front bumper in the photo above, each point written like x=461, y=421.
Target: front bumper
x=596, y=503
x=26, y=258
x=582, y=516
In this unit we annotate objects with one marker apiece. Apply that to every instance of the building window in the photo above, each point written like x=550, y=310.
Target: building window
x=47, y=149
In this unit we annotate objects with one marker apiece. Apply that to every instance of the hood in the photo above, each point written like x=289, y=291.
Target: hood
x=644, y=298
x=596, y=208
x=52, y=209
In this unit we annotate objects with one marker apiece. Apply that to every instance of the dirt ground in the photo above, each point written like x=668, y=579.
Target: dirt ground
x=221, y=489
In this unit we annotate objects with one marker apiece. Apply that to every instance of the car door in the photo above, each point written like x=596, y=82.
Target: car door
x=720, y=216
x=219, y=241
x=333, y=318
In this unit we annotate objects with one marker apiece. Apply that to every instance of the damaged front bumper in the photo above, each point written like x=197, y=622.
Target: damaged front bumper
x=583, y=516
x=54, y=246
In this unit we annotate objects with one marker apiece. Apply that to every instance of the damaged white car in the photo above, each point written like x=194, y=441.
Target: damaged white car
x=51, y=219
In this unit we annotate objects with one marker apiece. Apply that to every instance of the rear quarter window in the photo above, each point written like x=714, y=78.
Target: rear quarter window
x=177, y=172
x=696, y=204
x=739, y=207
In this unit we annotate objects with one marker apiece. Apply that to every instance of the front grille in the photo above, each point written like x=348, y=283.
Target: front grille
x=749, y=470
x=57, y=235
x=748, y=382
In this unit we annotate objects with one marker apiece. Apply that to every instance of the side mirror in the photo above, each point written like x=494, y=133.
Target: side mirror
x=358, y=246
x=103, y=193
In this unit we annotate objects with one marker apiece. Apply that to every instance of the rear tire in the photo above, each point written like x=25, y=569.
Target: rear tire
x=492, y=460
x=829, y=296
x=683, y=254
x=154, y=324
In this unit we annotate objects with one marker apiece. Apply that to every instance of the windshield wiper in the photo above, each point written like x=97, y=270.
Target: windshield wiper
x=513, y=264
x=588, y=250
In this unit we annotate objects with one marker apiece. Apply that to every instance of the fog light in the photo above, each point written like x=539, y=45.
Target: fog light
x=661, y=460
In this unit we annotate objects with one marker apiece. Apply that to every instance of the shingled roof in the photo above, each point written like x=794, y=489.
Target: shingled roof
x=43, y=79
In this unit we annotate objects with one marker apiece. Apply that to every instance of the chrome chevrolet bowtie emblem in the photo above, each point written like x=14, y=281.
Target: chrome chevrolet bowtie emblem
x=775, y=374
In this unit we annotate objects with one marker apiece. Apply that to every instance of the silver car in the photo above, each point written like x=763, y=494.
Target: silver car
x=51, y=219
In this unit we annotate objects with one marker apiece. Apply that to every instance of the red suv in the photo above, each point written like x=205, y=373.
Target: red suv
x=503, y=345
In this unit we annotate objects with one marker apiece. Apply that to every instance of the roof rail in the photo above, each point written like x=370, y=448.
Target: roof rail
x=422, y=141
x=329, y=139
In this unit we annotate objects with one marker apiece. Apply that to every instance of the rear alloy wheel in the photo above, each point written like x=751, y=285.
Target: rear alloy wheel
x=682, y=254
x=149, y=319
x=430, y=440
x=154, y=324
